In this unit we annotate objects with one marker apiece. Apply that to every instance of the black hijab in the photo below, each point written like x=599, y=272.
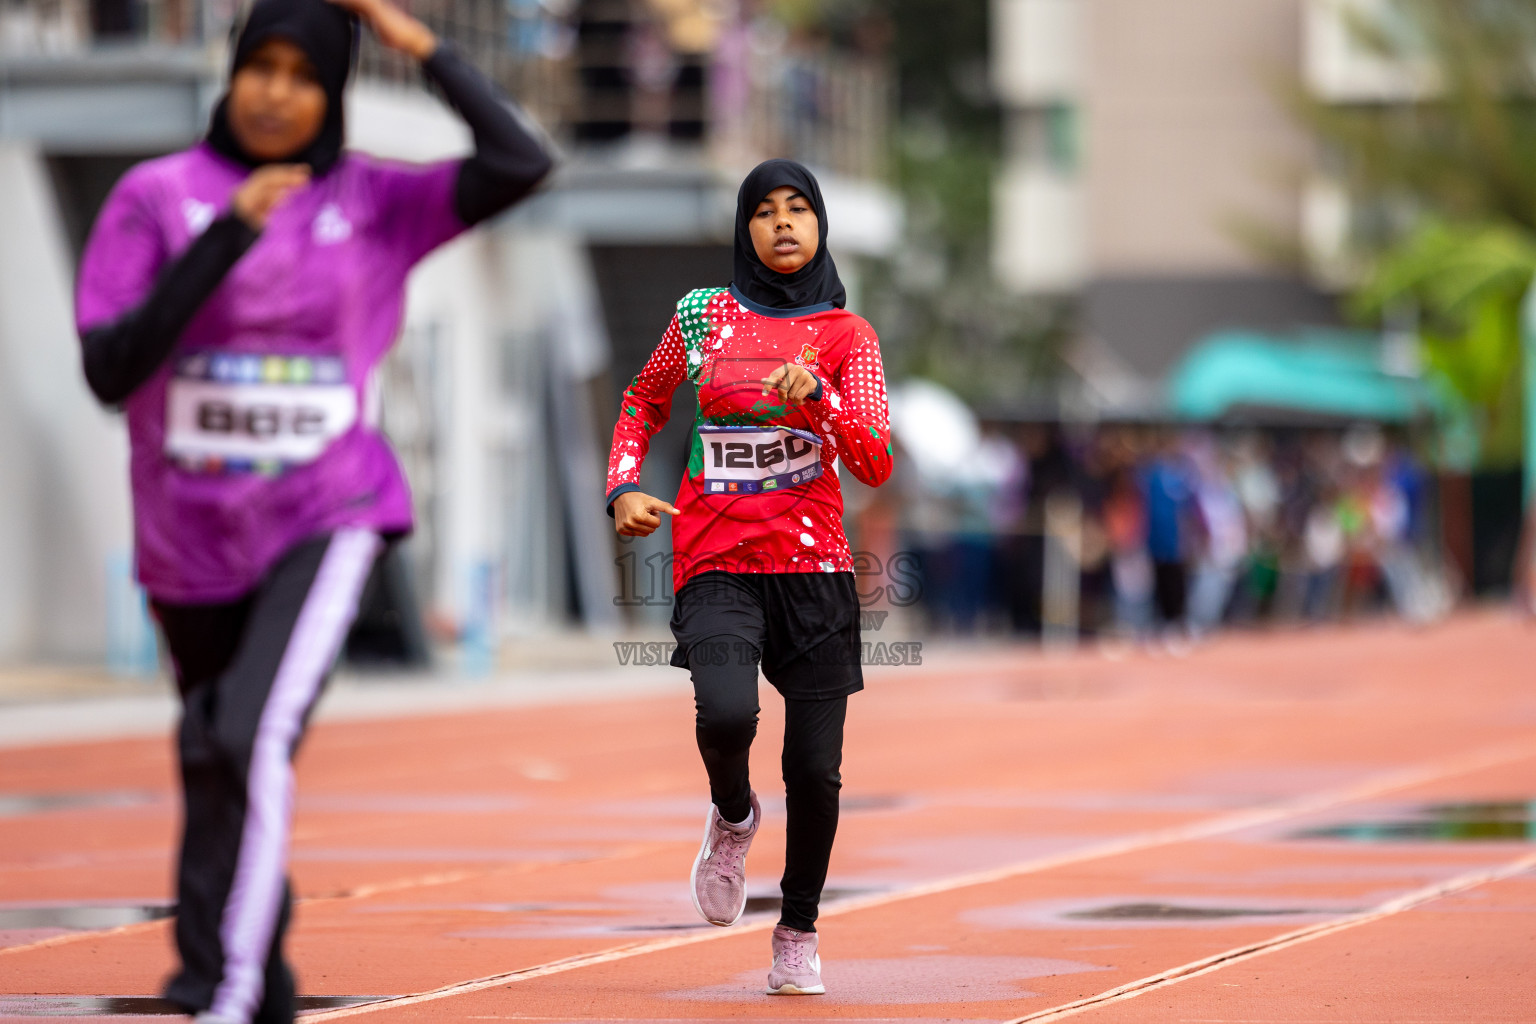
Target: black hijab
x=813, y=284
x=328, y=36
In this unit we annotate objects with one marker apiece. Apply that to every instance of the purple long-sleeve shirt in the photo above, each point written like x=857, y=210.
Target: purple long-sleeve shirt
x=258, y=431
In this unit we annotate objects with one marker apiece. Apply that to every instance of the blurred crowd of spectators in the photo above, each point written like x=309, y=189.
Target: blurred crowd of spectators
x=1173, y=533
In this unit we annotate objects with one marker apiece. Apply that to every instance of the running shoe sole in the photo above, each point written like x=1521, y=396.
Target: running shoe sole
x=789, y=988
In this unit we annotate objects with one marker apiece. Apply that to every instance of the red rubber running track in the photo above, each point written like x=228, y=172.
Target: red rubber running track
x=1322, y=826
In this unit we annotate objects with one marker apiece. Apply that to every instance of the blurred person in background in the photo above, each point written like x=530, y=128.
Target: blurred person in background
x=1015, y=548
x=1125, y=529
x=963, y=576
x=1362, y=576
x=1050, y=471
x=1395, y=505
x=989, y=497
x=788, y=381
x=1096, y=613
x=1224, y=543
x=235, y=299
x=1008, y=512
x=1258, y=489
x=1325, y=543
x=1168, y=492
x=1389, y=513
x=1300, y=488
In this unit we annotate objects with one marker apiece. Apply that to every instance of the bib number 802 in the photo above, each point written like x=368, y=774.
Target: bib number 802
x=221, y=417
x=275, y=423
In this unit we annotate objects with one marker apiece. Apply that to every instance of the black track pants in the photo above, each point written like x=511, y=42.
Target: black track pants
x=724, y=673
x=249, y=672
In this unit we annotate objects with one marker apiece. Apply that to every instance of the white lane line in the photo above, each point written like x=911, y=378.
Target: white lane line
x=1223, y=824
x=356, y=893
x=1207, y=965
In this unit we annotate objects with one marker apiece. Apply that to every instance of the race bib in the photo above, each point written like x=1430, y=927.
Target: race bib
x=758, y=460
x=253, y=413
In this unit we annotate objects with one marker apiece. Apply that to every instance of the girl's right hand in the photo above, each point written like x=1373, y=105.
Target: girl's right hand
x=636, y=514
x=395, y=28
x=265, y=190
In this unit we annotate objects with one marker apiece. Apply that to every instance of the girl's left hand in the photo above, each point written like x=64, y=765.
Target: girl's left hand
x=793, y=382
x=395, y=28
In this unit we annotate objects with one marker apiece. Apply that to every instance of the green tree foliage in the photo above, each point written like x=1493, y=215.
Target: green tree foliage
x=1468, y=150
x=1448, y=186
x=1469, y=282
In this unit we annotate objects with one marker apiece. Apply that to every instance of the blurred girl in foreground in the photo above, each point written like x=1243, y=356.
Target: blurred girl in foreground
x=235, y=299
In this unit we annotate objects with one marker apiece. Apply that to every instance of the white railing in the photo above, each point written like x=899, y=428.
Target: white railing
x=830, y=112
x=42, y=28
x=50, y=28
x=828, y=109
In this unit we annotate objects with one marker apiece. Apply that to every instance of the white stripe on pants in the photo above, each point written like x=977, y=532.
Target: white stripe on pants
x=250, y=914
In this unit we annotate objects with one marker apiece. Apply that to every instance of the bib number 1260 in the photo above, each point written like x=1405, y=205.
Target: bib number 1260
x=755, y=460
x=743, y=455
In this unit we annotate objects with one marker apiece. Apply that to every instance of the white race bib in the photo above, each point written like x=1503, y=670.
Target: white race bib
x=758, y=460
x=240, y=413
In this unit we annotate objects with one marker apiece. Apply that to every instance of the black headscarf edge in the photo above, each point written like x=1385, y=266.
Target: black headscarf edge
x=814, y=284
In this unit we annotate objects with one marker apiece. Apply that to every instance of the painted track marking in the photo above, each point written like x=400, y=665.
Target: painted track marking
x=1210, y=964
x=357, y=892
x=1221, y=825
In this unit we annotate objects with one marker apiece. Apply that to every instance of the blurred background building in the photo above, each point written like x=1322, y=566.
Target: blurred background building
x=501, y=395
x=1230, y=201
x=1195, y=311
x=1153, y=170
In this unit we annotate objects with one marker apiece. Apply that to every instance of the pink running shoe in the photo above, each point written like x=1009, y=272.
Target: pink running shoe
x=796, y=966
x=719, y=878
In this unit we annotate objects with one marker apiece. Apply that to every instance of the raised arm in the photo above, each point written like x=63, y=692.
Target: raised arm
x=509, y=158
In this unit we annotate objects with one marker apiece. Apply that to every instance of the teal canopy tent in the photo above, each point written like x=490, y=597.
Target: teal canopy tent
x=1312, y=374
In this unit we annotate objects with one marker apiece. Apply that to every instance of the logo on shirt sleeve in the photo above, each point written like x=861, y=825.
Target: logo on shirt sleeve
x=198, y=215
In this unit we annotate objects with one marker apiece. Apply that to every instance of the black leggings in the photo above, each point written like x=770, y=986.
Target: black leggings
x=724, y=673
x=249, y=672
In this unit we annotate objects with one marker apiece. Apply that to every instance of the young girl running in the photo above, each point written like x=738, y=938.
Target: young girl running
x=236, y=298
x=788, y=382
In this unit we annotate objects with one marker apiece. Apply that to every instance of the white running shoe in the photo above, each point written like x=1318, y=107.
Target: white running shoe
x=796, y=964
x=719, y=878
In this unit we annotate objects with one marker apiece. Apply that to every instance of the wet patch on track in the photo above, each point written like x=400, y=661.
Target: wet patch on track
x=770, y=903
x=1179, y=912
x=141, y=1006
x=1144, y=911
x=79, y=917
x=20, y=805
x=1480, y=822
x=22, y=924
